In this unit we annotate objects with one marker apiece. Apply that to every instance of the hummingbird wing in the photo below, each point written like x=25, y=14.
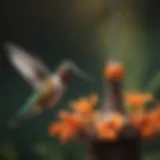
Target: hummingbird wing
x=30, y=67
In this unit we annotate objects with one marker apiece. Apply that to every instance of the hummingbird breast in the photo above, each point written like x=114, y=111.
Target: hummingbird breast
x=45, y=101
x=50, y=94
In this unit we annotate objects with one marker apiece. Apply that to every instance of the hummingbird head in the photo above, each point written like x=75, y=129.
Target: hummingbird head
x=68, y=70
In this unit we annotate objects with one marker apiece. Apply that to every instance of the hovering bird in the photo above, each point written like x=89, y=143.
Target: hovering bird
x=48, y=87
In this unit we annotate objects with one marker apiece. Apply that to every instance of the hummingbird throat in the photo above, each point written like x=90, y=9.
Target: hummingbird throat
x=66, y=77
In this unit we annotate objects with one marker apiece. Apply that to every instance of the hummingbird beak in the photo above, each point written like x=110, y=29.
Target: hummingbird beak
x=83, y=75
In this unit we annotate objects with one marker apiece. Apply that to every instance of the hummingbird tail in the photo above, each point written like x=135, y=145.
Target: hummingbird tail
x=18, y=120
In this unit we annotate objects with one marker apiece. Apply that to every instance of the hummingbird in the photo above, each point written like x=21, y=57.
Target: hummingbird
x=49, y=87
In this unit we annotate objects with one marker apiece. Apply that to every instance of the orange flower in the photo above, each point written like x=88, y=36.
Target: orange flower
x=83, y=115
x=118, y=120
x=71, y=119
x=109, y=129
x=67, y=128
x=136, y=120
x=145, y=122
x=105, y=131
x=151, y=118
x=137, y=99
x=93, y=99
x=148, y=132
x=114, y=71
x=67, y=132
x=54, y=128
x=84, y=107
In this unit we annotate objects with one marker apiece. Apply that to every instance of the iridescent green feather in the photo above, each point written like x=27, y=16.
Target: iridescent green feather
x=30, y=103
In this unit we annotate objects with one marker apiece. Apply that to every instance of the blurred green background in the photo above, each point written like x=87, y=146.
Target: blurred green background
x=77, y=30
